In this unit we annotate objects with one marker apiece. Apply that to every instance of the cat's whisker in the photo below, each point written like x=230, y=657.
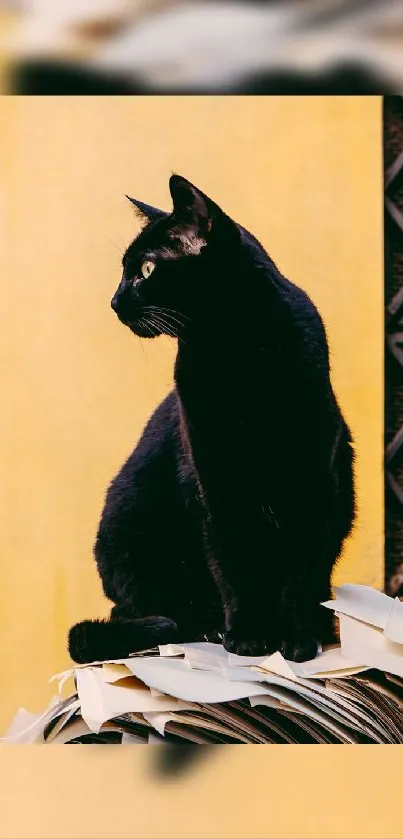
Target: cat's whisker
x=171, y=329
x=177, y=327
x=167, y=328
x=141, y=345
x=162, y=320
x=176, y=317
x=144, y=351
x=146, y=325
x=141, y=342
x=153, y=322
x=168, y=310
x=167, y=323
x=180, y=316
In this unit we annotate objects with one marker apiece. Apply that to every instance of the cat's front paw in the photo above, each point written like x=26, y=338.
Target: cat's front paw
x=241, y=645
x=213, y=636
x=299, y=648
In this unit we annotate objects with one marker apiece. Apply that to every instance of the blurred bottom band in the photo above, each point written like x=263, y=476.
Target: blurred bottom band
x=42, y=77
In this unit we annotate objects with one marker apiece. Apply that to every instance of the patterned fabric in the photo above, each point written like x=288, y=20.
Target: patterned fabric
x=393, y=158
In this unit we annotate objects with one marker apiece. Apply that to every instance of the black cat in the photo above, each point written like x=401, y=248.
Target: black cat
x=228, y=517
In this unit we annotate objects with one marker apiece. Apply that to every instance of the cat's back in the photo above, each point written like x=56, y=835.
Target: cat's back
x=296, y=311
x=154, y=453
x=162, y=425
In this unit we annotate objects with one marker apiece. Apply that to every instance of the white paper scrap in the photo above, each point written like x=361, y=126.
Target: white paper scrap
x=66, y=674
x=28, y=728
x=173, y=677
x=158, y=720
x=246, y=660
x=363, y=603
x=370, y=644
x=101, y=701
x=201, y=655
x=330, y=663
x=63, y=720
x=394, y=626
x=171, y=650
x=112, y=673
x=276, y=663
x=24, y=728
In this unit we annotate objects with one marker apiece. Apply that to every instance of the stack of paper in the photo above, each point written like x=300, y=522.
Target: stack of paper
x=199, y=692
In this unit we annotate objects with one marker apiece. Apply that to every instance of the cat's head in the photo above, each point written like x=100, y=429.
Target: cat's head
x=174, y=272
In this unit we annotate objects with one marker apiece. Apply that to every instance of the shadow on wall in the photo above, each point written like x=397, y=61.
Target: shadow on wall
x=171, y=762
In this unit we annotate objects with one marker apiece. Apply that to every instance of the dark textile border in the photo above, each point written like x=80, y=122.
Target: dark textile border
x=393, y=173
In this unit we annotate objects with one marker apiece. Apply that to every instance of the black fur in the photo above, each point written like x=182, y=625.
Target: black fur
x=230, y=513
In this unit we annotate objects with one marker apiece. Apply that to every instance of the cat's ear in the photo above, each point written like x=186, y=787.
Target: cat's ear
x=145, y=211
x=192, y=204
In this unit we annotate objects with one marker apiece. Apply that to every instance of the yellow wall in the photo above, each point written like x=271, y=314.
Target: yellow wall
x=303, y=174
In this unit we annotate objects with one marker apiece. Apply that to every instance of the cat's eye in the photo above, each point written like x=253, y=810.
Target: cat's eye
x=147, y=268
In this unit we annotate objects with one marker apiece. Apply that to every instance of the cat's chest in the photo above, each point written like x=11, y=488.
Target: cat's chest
x=224, y=397
x=230, y=441
x=226, y=411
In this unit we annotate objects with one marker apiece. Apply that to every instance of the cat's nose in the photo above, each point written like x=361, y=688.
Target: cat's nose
x=114, y=302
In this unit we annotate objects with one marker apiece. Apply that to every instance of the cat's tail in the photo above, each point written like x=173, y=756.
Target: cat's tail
x=98, y=640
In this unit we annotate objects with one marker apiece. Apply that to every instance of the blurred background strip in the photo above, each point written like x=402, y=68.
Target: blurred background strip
x=214, y=46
